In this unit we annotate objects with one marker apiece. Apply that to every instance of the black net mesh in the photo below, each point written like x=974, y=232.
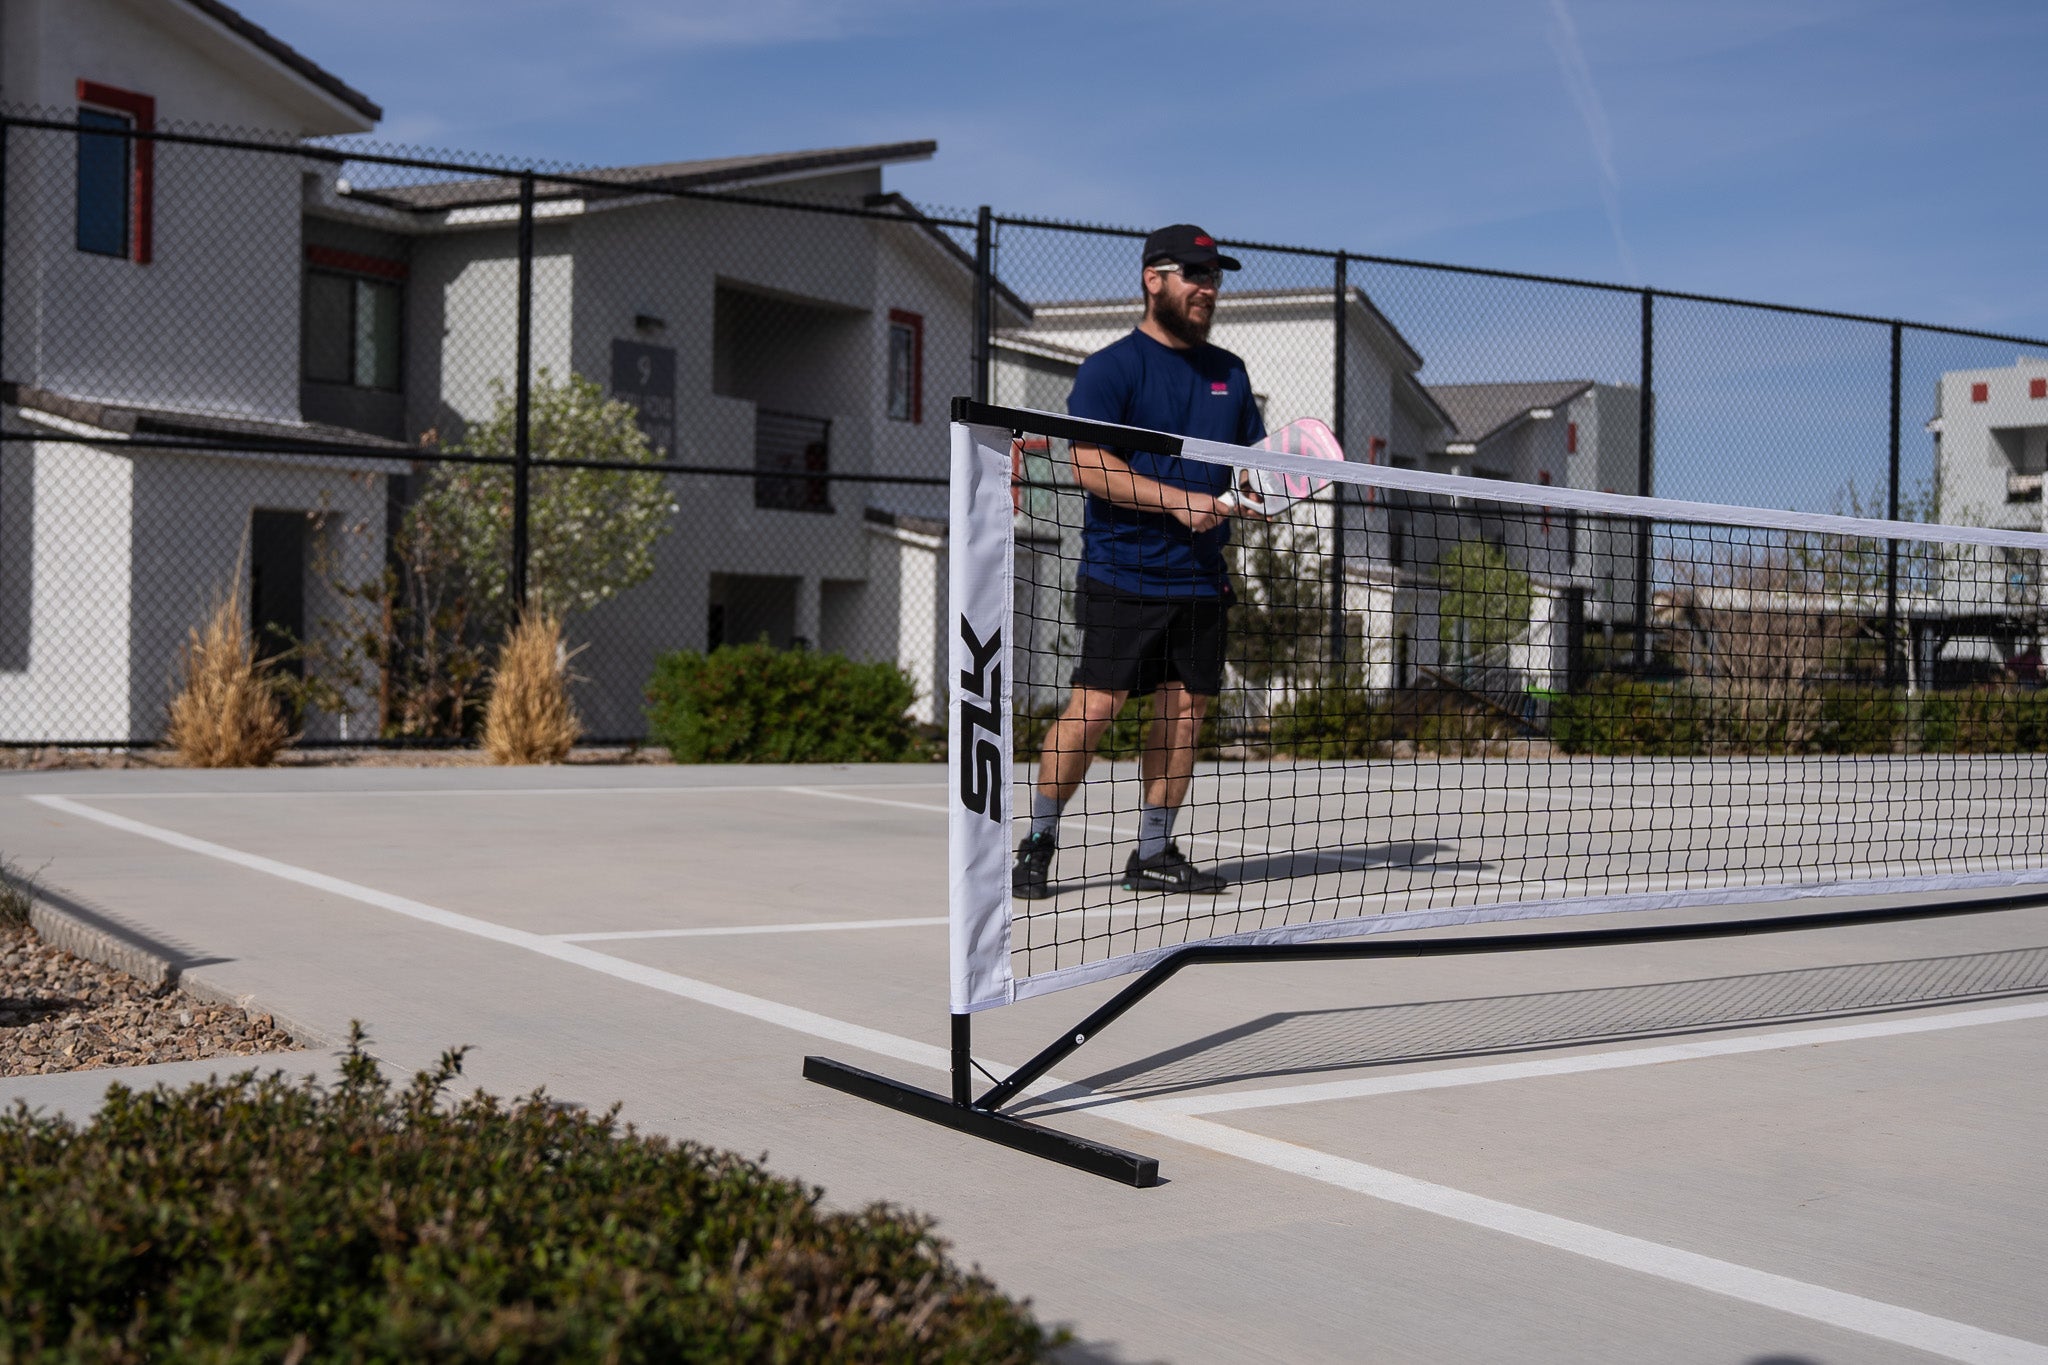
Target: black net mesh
x=1501, y=731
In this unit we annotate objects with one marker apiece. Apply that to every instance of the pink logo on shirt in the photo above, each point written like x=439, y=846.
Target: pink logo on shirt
x=1219, y=388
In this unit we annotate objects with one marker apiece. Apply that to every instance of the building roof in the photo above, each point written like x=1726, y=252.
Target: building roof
x=136, y=422
x=240, y=25
x=716, y=173
x=1477, y=411
x=1048, y=314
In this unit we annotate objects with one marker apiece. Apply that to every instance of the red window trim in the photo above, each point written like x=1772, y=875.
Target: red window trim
x=1571, y=438
x=1980, y=393
x=356, y=263
x=915, y=322
x=2037, y=388
x=142, y=166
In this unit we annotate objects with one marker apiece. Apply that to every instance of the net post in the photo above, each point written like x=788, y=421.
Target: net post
x=522, y=434
x=963, y=1059
x=1892, y=669
x=1339, y=366
x=1646, y=445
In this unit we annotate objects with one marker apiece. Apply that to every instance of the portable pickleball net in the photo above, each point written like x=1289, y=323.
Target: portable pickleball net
x=1452, y=701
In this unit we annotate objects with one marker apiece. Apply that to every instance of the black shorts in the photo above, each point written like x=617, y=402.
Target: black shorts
x=1133, y=644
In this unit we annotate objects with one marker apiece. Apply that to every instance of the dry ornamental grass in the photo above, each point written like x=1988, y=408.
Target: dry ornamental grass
x=530, y=718
x=226, y=714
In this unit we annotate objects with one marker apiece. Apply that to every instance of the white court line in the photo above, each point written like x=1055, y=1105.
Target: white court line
x=1869, y=1317
x=1446, y=1078
x=1098, y=823
x=726, y=931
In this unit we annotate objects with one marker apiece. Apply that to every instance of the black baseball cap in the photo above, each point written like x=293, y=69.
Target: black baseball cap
x=1188, y=244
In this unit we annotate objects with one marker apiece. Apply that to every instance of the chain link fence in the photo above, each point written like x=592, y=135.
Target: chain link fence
x=383, y=396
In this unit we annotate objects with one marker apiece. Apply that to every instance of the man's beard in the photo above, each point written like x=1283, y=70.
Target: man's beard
x=1175, y=320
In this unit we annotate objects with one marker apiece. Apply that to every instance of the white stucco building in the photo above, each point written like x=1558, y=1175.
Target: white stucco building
x=169, y=294
x=1990, y=431
x=110, y=554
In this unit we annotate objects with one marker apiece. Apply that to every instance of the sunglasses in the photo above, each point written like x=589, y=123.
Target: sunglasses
x=1197, y=276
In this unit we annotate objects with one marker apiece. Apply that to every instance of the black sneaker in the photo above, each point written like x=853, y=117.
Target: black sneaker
x=1031, y=873
x=1167, y=870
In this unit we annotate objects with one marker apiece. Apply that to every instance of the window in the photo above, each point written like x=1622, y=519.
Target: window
x=2037, y=388
x=1980, y=393
x=116, y=172
x=906, y=366
x=350, y=319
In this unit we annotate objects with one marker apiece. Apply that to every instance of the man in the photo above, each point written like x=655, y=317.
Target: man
x=1152, y=591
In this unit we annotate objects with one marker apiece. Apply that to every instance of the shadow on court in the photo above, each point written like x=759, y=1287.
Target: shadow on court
x=1299, y=1043
x=1321, y=862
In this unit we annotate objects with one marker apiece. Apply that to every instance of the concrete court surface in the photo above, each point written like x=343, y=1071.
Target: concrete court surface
x=1495, y=1158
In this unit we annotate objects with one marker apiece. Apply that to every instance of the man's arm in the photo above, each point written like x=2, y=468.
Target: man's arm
x=1111, y=478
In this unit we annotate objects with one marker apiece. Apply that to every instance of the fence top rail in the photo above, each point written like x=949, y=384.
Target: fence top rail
x=592, y=180
x=513, y=176
x=1531, y=277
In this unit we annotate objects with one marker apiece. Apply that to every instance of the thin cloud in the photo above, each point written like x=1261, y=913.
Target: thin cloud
x=1578, y=83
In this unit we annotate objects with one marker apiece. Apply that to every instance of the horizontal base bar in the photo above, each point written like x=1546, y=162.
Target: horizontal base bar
x=1094, y=1157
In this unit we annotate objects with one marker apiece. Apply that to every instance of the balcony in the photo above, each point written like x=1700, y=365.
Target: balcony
x=789, y=446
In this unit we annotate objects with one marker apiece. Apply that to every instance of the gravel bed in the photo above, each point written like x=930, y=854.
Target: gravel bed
x=63, y=1013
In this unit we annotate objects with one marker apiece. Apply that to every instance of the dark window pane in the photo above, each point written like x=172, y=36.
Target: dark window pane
x=902, y=368
x=102, y=185
x=376, y=335
x=326, y=329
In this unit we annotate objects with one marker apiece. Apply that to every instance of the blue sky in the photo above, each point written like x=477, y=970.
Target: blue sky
x=1870, y=155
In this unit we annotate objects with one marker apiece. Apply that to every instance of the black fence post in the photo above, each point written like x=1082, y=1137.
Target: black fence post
x=1892, y=661
x=6, y=127
x=1340, y=367
x=522, y=447
x=984, y=296
x=1646, y=446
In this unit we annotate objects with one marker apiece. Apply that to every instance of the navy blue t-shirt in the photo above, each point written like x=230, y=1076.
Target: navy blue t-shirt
x=1201, y=392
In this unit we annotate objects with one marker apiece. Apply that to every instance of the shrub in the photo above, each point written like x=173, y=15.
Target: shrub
x=1331, y=722
x=530, y=718
x=1860, y=721
x=259, y=1220
x=1613, y=714
x=1984, y=720
x=758, y=704
x=227, y=713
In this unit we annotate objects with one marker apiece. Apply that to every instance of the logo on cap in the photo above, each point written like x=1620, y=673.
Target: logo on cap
x=1205, y=241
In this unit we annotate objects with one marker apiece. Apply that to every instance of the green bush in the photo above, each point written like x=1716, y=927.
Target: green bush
x=1987, y=720
x=758, y=704
x=1614, y=714
x=258, y=1220
x=1860, y=721
x=1331, y=723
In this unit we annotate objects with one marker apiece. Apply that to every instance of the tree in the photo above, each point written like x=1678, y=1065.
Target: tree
x=422, y=634
x=1485, y=601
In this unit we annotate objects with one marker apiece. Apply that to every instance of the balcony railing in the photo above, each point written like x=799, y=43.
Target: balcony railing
x=787, y=446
